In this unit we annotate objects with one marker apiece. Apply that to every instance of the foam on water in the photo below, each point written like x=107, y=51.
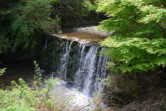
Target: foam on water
x=71, y=97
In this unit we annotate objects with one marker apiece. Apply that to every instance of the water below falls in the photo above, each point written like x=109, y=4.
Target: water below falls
x=71, y=98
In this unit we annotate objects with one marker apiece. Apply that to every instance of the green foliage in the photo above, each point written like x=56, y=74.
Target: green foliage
x=38, y=74
x=91, y=5
x=138, y=42
x=2, y=71
x=32, y=16
x=23, y=22
x=19, y=98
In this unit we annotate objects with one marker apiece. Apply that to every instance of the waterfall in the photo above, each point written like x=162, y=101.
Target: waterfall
x=81, y=64
x=79, y=67
x=64, y=60
x=101, y=73
x=86, y=69
x=78, y=75
x=90, y=67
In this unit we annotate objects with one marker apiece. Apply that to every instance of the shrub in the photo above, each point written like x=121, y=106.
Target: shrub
x=2, y=71
x=19, y=98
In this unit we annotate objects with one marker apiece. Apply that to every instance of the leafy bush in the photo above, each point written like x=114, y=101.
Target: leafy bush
x=37, y=72
x=138, y=42
x=2, y=71
x=91, y=5
x=20, y=98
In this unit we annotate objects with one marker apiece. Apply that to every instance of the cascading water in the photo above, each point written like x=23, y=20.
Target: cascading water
x=88, y=75
x=85, y=76
x=101, y=73
x=80, y=64
x=78, y=76
x=90, y=67
x=63, y=66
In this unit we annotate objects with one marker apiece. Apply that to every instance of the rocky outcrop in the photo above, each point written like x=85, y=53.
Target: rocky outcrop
x=83, y=35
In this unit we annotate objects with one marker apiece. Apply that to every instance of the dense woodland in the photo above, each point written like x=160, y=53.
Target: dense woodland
x=136, y=49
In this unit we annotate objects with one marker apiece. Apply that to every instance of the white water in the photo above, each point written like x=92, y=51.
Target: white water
x=88, y=76
x=87, y=69
x=71, y=98
x=64, y=60
x=90, y=68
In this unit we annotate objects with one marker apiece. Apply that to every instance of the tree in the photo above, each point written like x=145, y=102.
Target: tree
x=32, y=17
x=23, y=22
x=138, y=42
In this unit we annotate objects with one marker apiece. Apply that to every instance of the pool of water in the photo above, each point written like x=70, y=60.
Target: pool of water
x=71, y=97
